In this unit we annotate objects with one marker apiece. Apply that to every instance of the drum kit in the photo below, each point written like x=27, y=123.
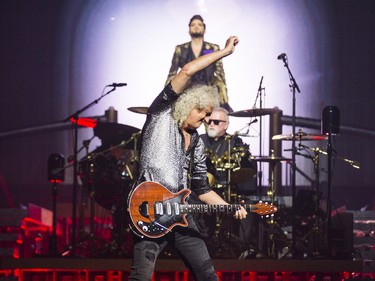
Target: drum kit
x=233, y=175
x=107, y=174
x=275, y=238
x=111, y=165
x=230, y=174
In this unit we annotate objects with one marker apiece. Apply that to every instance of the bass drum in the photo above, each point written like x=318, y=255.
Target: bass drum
x=245, y=176
x=109, y=176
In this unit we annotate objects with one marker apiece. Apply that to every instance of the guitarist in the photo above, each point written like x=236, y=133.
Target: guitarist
x=173, y=155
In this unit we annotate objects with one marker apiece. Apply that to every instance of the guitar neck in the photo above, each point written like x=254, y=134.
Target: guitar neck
x=205, y=208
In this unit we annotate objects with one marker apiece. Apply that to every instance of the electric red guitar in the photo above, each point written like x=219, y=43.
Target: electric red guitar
x=154, y=210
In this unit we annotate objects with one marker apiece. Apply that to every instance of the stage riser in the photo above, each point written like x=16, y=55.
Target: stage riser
x=364, y=238
x=85, y=275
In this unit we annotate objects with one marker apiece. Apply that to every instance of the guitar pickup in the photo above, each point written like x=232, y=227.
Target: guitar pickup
x=177, y=208
x=169, y=209
x=143, y=209
x=159, y=209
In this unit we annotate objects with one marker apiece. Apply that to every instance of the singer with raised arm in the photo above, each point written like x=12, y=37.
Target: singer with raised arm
x=213, y=75
x=172, y=158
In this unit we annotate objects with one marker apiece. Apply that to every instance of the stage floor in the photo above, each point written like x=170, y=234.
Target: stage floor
x=256, y=265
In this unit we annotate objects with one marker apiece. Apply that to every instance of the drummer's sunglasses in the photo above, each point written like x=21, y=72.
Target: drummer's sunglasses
x=216, y=122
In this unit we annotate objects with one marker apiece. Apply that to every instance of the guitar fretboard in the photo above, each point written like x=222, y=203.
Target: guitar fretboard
x=174, y=208
x=204, y=208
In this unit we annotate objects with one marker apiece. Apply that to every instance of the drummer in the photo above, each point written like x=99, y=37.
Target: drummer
x=216, y=130
x=216, y=140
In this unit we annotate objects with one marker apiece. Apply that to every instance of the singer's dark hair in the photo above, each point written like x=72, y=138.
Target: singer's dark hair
x=197, y=17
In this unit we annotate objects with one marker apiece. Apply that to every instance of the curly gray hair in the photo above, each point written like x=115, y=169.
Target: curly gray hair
x=195, y=97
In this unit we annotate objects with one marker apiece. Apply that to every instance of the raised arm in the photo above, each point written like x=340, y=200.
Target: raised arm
x=180, y=81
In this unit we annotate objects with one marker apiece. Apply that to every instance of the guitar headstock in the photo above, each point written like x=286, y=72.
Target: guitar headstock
x=264, y=208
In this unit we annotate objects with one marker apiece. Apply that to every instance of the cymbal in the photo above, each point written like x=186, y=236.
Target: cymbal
x=138, y=109
x=270, y=159
x=300, y=137
x=115, y=133
x=254, y=112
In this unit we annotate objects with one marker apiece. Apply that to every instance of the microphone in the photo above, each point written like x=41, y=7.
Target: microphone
x=260, y=85
x=281, y=56
x=237, y=133
x=117, y=85
x=245, y=135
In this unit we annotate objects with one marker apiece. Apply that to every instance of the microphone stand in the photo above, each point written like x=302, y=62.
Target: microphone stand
x=74, y=118
x=329, y=204
x=294, y=86
x=260, y=172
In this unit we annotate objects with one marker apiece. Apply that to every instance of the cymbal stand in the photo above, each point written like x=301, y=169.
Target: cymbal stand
x=91, y=190
x=272, y=223
x=227, y=197
x=116, y=247
x=74, y=118
x=89, y=182
x=87, y=241
x=294, y=87
x=228, y=167
x=223, y=235
x=135, y=156
x=318, y=235
x=330, y=157
x=274, y=232
x=119, y=212
x=319, y=242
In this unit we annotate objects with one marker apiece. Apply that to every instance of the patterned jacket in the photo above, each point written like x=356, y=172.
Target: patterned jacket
x=211, y=75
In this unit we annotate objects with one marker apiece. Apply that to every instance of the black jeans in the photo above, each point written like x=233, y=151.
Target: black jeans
x=186, y=242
